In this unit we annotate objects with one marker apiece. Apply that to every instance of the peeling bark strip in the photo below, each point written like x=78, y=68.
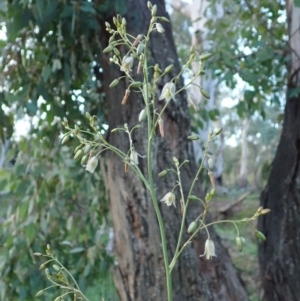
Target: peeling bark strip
x=139, y=273
x=279, y=254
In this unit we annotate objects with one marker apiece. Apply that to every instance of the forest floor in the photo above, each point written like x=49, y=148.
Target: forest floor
x=246, y=262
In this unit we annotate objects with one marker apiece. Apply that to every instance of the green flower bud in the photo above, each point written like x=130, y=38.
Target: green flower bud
x=87, y=149
x=164, y=19
x=65, y=140
x=114, y=83
x=154, y=10
x=84, y=159
x=204, y=93
x=162, y=173
x=210, y=162
x=56, y=267
x=78, y=154
x=260, y=235
x=193, y=137
x=169, y=68
x=208, y=197
x=42, y=266
x=108, y=49
x=219, y=131
x=140, y=48
x=205, y=56
x=240, y=243
x=40, y=293
x=136, y=84
x=192, y=227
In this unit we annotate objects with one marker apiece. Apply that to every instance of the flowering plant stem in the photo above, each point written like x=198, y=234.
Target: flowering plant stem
x=150, y=175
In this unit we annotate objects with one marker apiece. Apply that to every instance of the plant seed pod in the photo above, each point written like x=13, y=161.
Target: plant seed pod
x=192, y=227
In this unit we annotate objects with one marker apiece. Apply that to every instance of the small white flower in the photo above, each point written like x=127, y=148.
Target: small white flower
x=209, y=249
x=168, y=92
x=92, y=164
x=127, y=64
x=169, y=199
x=159, y=28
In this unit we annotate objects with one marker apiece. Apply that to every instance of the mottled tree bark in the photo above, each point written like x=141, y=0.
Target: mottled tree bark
x=279, y=254
x=139, y=272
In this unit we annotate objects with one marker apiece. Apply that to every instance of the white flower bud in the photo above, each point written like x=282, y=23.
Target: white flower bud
x=92, y=164
x=159, y=28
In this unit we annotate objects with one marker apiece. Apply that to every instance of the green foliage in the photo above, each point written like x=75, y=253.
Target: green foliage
x=50, y=69
x=50, y=198
x=254, y=49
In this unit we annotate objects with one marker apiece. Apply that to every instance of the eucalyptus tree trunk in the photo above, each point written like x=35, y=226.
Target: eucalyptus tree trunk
x=279, y=254
x=139, y=271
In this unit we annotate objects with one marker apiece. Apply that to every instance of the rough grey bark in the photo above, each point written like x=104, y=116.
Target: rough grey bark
x=139, y=272
x=279, y=254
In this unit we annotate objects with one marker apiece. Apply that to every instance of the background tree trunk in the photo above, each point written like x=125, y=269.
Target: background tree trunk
x=139, y=272
x=243, y=176
x=279, y=254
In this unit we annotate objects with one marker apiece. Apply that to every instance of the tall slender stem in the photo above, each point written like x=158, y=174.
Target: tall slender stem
x=150, y=175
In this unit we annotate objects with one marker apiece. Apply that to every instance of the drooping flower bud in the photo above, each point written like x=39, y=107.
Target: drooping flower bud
x=142, y=115
x=92, y=164
x=159, y=28
x=192, y=227
x=210, y=162
x=240, y=243
x=161, y=127
x=134, y=157
x=124, y=100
